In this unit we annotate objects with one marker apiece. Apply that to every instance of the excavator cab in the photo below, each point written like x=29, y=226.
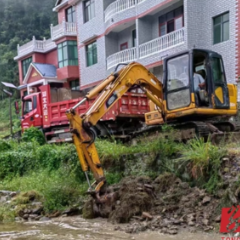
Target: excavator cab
x=195, y=84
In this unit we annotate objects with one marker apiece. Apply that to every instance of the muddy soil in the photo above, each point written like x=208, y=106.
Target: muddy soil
x=167, y=204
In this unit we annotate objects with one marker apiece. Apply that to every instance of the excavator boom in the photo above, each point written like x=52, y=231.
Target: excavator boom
x=111, y=90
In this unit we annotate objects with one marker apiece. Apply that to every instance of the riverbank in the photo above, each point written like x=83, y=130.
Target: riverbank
x=159, y=185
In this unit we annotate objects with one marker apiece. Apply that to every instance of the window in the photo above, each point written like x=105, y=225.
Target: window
x=221, y=28
x=74, y=85
x=34, y=102
x=218, y=71
x=27, y=107
x=123, y=46
x=178, y=94
x=91, y=52
x=67, y=54
x=71, y=14
x=134, y=38
x=25, y=65
x=89, y=10
x=171, y=21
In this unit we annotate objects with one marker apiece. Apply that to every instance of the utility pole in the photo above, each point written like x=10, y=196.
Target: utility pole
x=10, y=110
x=10, y=115
x=9, y=85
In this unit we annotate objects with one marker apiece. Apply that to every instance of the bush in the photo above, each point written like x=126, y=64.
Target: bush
x=4, y=145
x=33, y=134
x=204, y=161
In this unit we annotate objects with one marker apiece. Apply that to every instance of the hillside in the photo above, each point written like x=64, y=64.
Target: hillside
x=19, y=21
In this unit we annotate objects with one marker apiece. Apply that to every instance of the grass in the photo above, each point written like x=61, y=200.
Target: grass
x=58, y=189
x=204, y=161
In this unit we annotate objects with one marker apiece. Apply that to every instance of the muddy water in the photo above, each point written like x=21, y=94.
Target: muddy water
x=78, y=228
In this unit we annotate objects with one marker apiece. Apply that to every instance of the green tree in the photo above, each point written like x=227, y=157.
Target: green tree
x=20, y=20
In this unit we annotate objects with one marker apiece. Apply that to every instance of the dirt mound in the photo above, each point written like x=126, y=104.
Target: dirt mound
x=167, y=203
x=135, y=196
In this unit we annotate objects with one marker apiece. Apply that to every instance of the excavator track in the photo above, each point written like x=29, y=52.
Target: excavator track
x=214, y=131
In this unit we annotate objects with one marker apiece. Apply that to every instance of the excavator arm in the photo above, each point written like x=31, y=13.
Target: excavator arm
x=111, y=90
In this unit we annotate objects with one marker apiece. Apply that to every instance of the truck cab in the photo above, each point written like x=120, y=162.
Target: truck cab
x=31, y=111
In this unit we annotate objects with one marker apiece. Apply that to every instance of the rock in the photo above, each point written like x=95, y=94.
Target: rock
x=218, y=219
x=72, y=211
x=184, y=185
x=172, y=231
x=25, y=216
x=44, y=219
x=38, y=217
x=164, y=230
x=206, y=200
x=232, y=197
x=36, y=203
x=33, y=216
x=18, y=219
x=147, y=215
x=185, y=199
x=37, y=210
x=205, y=222
x=3, y=199
x=176, y=222
x=25, y=211
x=4, y=193
x=117, y=228
x=190, y=223
x=226, y=170
x=13, y=194
x=118, y=202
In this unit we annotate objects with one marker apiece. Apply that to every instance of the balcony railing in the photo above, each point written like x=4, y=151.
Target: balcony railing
x=119, y=6
x=124, y=56
x=63, y=29
x=36, y=46
x=162, y=43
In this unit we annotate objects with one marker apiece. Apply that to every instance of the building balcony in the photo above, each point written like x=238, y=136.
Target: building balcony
x=118, y=7
x=125, y=56
x=41, y=46
x=163, y=43
x=63, y=29
x=147, y=49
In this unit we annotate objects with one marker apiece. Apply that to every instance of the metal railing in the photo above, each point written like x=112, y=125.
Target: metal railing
x=119, y=6
x=36, y=46
x=162, y=43
x=63, y=29
x=124, y=56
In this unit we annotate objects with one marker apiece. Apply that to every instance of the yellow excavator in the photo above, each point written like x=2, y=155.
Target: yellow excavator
x=193, y=94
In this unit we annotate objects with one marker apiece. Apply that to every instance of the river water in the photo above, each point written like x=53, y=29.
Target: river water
x=74, y=228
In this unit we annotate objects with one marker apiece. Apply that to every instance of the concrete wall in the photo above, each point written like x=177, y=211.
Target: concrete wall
x=145, y=29
x=125, y=36
x=88, y=32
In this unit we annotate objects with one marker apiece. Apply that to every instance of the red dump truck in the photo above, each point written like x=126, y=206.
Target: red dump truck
x=46, y=109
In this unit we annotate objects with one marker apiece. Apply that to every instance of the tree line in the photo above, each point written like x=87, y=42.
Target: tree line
x=20, y=20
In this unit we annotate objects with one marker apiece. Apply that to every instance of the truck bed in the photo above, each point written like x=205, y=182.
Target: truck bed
x=130, y=105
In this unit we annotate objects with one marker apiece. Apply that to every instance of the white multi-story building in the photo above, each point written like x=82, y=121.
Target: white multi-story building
x=111, y=32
